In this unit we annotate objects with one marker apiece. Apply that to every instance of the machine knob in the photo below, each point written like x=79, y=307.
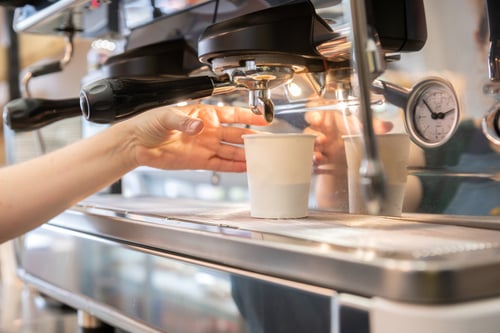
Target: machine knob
x=107, y=100
x=27, y=114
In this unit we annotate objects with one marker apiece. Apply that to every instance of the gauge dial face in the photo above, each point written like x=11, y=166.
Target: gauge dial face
x=432, y=112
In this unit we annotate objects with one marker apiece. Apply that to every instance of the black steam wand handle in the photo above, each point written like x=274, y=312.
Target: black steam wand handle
x=108, y=100
x=27, y=114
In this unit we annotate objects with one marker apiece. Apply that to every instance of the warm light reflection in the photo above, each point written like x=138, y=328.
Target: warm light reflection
x=324, y=247
x=294, y=89
x=104, y=44
x=342, y=106
x=365, y=254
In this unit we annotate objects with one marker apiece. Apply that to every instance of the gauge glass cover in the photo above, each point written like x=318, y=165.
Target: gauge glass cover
x=432, y=113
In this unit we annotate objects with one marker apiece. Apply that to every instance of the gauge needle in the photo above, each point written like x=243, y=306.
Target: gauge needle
x=450, y=110
x=441, y=115
x=433, y=114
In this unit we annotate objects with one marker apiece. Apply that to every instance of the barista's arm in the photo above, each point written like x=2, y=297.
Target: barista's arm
x=331, y=186
x=34, y=191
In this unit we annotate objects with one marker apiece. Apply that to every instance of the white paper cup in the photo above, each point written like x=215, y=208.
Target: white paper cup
x=393, y=149
x=279, y=169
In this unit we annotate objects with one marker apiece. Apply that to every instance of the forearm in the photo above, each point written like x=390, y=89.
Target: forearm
x=169, y=138
x=32, y=192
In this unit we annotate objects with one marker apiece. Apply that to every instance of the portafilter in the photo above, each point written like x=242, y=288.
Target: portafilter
x=257, y=52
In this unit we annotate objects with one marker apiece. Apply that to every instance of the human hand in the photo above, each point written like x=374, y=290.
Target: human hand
x=329, y=156
x=192, y=137
x=329, y=127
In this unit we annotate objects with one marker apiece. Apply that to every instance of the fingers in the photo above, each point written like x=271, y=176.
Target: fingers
x=325, y=121
x=318, y=158
x=228, y=158
x=227, y=165
x=314, y=118
x=230, y=152
x=175, y=119
x=215, y=115
x=382, y=127
x=191, y=126
x=234, y=134
x=237, y=115
x=335, y=123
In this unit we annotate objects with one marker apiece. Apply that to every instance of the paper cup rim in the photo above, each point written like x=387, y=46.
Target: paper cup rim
x=353, y=136
x=278, y=135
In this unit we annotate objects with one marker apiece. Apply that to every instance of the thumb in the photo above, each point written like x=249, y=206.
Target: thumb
x=178, y=120
x=191, y=125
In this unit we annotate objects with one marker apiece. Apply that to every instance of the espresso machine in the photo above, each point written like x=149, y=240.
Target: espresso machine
x=155, y=264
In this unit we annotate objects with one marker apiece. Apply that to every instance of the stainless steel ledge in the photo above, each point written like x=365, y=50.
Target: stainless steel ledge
x=396, y=259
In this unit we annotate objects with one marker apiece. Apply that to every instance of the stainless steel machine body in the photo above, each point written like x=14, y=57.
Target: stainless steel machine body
x=149, y=264
x=167, y=265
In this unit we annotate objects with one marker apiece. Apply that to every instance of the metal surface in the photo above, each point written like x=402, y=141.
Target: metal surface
x=24, y=310
x=395, y=258
x=77, y=300
x=87, y=320
x=52, y=19
x=142, y=289
x=365, y=51
x=490, y=124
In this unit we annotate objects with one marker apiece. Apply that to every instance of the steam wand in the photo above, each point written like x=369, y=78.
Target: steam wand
x=368, y=61
x=27, y=113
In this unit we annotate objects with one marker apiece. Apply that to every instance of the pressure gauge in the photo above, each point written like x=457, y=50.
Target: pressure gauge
x=432, y=112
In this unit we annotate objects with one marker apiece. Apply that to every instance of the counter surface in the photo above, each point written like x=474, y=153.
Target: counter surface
x=418, y=259
x=24, y=310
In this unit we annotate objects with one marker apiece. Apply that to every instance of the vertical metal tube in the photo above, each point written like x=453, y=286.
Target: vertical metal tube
x=493, y=11
x=87, y=320
x=371, y=172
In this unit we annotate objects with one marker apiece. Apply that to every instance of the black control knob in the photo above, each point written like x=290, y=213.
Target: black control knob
x=108, y=100
x=27, y=114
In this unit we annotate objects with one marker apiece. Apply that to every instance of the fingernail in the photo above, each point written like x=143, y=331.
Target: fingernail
x=194, y=125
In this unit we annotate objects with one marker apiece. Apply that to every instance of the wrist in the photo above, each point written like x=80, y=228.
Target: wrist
x=124, y=141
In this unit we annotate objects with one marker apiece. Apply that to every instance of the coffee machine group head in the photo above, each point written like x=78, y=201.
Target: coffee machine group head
x=263, y=50
x=256, y=52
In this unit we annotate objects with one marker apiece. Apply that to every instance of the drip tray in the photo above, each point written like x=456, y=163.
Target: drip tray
x=397, y=258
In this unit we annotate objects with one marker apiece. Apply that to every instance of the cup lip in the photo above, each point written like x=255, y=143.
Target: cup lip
x=354, y=136
x=277, y=135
